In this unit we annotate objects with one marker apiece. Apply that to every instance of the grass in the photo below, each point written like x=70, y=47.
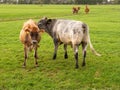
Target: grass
x=99, y=73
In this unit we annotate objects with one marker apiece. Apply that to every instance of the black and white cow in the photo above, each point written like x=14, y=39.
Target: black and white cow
x=68, y=32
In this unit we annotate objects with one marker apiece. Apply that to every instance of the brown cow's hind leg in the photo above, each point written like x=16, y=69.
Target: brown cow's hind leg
x=36, y=56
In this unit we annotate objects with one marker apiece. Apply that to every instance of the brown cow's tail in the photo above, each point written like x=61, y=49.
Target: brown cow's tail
x=89, y=41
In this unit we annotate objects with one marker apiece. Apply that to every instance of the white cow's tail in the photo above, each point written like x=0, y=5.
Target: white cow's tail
x=91, y=46
x=92, y=49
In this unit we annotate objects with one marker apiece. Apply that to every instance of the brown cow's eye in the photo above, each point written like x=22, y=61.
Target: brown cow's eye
x=36, y=34
x=31, y=34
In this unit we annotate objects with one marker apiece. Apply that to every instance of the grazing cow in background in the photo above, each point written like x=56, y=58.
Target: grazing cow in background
x=87, y=9
x=75, y=10
x=67, y=32
x=30, y=37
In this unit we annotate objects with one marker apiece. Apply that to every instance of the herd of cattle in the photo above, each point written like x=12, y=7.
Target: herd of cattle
x=75, y=10
x=66, y=32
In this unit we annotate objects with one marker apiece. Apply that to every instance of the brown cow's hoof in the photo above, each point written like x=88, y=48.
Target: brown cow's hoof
x=36, y=65
x=24, y=66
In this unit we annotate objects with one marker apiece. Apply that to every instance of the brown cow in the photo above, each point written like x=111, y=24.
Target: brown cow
x=30, y=37
x=75, y=10
x=87, y=9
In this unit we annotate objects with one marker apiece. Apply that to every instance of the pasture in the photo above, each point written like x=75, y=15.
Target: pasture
x=100, y=73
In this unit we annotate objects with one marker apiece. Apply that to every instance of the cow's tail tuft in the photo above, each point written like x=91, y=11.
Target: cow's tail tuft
x=92, y=49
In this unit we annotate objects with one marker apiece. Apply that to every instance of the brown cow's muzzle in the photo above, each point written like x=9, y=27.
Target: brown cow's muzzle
x=34, y=42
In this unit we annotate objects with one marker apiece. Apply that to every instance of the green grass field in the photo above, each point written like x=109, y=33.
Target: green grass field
x=100, y=73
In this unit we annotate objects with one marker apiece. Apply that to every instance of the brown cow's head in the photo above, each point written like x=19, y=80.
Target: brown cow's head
x=33, y=32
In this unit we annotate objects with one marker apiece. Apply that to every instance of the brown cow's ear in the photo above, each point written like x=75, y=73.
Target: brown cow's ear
x=27, y=30
x=34, y=28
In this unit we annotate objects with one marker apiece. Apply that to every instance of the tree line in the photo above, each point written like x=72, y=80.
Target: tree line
x=60, y=1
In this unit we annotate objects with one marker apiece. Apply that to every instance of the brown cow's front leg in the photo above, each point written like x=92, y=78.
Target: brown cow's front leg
x=36, y=56
x=25, y=55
